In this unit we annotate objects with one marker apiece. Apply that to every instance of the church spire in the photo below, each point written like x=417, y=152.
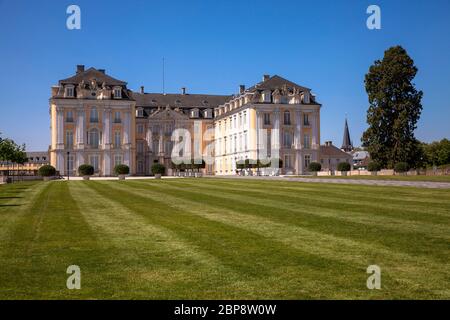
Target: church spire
x=346, y=142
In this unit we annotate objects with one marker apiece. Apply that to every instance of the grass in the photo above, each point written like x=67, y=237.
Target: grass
x=394, y=178
x=222, y=239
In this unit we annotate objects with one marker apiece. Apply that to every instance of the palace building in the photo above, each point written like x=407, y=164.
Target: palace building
x=96, y=119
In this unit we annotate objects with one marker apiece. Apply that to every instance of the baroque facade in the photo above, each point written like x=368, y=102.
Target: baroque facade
x=96, y=119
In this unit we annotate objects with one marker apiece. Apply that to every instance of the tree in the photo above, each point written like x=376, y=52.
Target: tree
x=437, y=153
x=394, y=109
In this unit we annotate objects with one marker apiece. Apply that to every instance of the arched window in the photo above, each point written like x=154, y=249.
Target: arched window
x=94, y=138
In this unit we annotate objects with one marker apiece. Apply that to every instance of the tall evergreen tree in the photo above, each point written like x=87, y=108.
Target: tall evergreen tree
x=395, y=107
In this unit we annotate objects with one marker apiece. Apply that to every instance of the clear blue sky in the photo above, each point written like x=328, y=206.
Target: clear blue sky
x=213, y=46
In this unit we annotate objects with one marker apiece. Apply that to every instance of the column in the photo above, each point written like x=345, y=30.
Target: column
x=80, y=129
x=276, y=135
x=59, y=128
x=259, y=126
x=127, y=128
x=314, y=131
x=107, y=128
x=160, y=145
x=149, y=138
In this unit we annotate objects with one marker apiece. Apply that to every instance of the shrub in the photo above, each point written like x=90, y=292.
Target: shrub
x=85, y=170
x=158, y=168
x=47, y=171
x=373, y=166
x=401, y=167
x=122, y=169
x=343, y=166
x=314, y=167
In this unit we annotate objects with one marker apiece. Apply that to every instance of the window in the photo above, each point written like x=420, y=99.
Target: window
x=139, y=112
x=307, y=160
x=194, y=113
x=235, y=143
x=287, y=118
x=117, y=139
x=287, y=161
x=117, y=118
x=93, y=115
x=240, y=120
x=266, y=119
x=69, y=139
x=93, y=137
x=155, y=146
x=234, y=122
x=117, y=159
x=140, y=128
x=140, y=147
x=93, y=161
x=69, y=116
x=306, y=119
x=287, y=139
x=70, y=162
x=245, y=118
x=69, y=92
x=306, y=141
x=117, y=93
x=245, y=141
x=140, y=166
x=168, y=147
x=225, y=145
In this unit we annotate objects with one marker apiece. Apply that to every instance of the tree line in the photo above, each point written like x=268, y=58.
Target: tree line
x=11, y=152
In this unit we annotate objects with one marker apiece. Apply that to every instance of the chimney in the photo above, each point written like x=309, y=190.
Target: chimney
x=142, y=89
x=183, y=90
x=328, y=143
x=80, y=68
x=266, y=77
x=241, y=89
x=102, y=70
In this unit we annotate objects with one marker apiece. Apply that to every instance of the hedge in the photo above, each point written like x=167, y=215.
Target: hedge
x=344, y=166
x=121, y=169
x=85, y=170
x=373, y=166
x=401, y=167
x=47, y=171
x=314, y=167
x=158, y=168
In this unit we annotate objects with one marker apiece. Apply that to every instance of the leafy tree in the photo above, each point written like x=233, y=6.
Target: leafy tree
x=314, y=167
x=344, y=166
x=395, y=107
x=437, y=153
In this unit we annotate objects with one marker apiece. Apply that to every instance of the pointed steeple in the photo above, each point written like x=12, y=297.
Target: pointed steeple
x=346, y=142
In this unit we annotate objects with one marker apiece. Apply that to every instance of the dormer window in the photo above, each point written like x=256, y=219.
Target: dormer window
x=139, y=112
x=69, y=91
x=267, y=96
x=117, y=92
x=194, y=113
x=207, y=113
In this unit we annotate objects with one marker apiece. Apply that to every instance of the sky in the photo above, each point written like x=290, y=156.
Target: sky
x=214, y=46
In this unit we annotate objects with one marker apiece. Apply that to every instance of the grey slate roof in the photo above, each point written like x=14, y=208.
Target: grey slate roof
x=178, y=100
x=346, y=141
x=93, y=73
x=275, y=82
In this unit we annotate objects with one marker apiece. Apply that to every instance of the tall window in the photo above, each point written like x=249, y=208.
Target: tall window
x=69, y=116
x=93, y=161
x=306, y=141
x=245, y=141
x=140, y=147
x=69, y=139
x=70, y=162
x=266, y=119
x=225, y=145
x=235, y=143
x=94, y=138
x=287, y=118
x=287, y=161
x=140, y=128
x=307, y=160
x=244, y=118
x=117, y=139
x=93, y=115
x=117, y=159
x=117, y=118
x=140, y=166
x=287, y=139
x=306, y=119
x=155, y=146
x=168, y=147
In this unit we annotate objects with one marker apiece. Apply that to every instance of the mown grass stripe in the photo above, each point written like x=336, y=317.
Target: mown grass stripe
x=357, y=254
x=380, y=216
x=236, y=247
x=396, y=241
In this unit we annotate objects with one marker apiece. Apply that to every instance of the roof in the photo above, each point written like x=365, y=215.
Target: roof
x=178, y=100
x=360, y=155
x=332, y=151
x=275, y=82
x=90, y=74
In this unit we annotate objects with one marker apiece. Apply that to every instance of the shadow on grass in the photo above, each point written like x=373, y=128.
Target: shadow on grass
x=11, y=197
x=10, y=205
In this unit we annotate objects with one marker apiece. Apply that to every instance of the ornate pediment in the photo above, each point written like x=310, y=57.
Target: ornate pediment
x=168, y=113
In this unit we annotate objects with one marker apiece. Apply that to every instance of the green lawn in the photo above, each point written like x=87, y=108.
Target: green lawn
x=395, y=178
x=222, y=239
